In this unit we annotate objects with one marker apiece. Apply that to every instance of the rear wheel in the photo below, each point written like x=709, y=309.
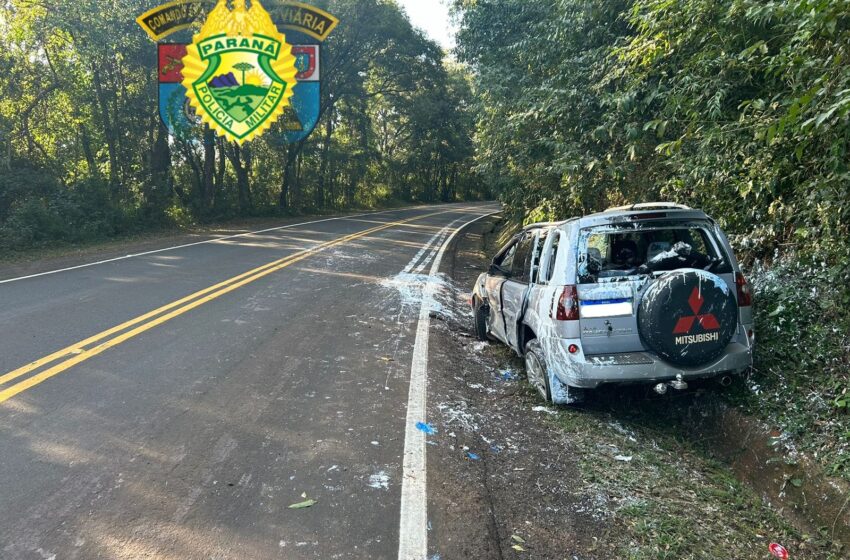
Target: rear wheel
x=481, y=316
x=538, y=376
x=536, y=369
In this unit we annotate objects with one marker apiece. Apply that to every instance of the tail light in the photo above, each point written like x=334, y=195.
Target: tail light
x=745, y=295
x=567, y=309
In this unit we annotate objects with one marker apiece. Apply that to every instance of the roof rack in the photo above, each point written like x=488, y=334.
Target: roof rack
x=650, y=206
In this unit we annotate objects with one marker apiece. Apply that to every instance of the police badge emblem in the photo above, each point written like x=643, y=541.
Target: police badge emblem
x=228, y=93
x=239, y=72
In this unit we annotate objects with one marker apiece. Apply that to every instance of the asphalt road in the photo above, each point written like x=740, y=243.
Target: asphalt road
x=174, y=405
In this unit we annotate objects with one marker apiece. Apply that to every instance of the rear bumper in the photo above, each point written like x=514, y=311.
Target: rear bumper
x=589, y=372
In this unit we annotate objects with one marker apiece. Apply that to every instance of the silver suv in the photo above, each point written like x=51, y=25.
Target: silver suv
x=645, y=293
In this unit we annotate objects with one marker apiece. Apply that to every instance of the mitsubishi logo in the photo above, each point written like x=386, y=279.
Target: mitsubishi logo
x=708, y=321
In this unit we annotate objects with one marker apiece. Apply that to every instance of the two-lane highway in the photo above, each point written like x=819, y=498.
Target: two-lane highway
x=173, y=405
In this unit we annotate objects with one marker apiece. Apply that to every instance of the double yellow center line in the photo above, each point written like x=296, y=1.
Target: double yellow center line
x=94, y=345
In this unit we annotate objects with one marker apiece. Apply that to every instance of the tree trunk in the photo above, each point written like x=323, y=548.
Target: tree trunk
x=208, y=182
x=160, y=187
x=323, y=165
x=243, y=186
x=85, y=142
x=108, y=131
x=222, y=166
x=289, y=195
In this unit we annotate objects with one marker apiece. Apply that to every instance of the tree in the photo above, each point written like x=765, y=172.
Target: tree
x=85, y=150
x=736, y=106
x=243, y=67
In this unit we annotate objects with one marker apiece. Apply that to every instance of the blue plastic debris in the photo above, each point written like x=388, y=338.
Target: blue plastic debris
x=472, y=456
x=507, y=375
x=427, y=429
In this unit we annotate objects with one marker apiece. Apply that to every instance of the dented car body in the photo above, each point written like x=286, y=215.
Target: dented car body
x=638, y=294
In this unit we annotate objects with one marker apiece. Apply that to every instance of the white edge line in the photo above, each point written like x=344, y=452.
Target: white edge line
x=216, y=240
x=413, y=522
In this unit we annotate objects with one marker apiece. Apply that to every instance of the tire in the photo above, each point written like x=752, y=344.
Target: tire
x=480, y=322
x=688, y=317
x=537, y=370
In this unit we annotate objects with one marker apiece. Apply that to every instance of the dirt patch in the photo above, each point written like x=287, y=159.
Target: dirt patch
x=628, y=475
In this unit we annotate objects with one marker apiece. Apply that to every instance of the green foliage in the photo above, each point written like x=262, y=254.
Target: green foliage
x=736, y=106
x=803, y=336
x=37, y=210
x=83, y=155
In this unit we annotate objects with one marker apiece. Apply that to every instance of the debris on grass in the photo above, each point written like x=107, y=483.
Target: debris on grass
x=508, y=375
x=545, y=410
x=457, y=413
x=778, y=551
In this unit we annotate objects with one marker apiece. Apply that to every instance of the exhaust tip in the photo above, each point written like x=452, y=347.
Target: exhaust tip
x=725, y=380
x=661, y=389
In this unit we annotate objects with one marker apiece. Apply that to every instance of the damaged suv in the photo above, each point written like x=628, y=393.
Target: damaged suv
x=649, y=293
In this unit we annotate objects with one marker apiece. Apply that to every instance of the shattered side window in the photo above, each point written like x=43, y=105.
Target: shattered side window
x=612, y=253
x=505, y=258
x=553, y=256
x=522, y=259
x=537, y=256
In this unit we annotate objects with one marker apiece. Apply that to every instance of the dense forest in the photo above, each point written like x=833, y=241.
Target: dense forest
x=84, y=154
x=739, y=107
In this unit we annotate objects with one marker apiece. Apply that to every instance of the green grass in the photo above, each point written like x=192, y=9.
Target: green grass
x=671, y=499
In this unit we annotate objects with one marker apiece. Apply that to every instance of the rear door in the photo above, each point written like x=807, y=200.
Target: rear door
x=609, y=299
x=515, y=288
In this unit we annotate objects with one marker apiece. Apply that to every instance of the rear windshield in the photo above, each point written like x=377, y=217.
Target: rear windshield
x=612, y=253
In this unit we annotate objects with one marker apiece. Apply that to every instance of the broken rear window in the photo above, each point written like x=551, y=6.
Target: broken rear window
x=619, y=252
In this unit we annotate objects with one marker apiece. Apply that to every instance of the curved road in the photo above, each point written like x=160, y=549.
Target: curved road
x=174, y=405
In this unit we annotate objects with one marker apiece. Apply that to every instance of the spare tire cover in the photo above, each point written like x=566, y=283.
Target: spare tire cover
x=688, y=317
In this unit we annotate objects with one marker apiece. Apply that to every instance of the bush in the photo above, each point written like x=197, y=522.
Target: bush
x=36, y=210
x=802, y=353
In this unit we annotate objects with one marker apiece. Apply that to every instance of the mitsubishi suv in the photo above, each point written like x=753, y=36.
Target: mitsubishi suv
x=649, y=293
